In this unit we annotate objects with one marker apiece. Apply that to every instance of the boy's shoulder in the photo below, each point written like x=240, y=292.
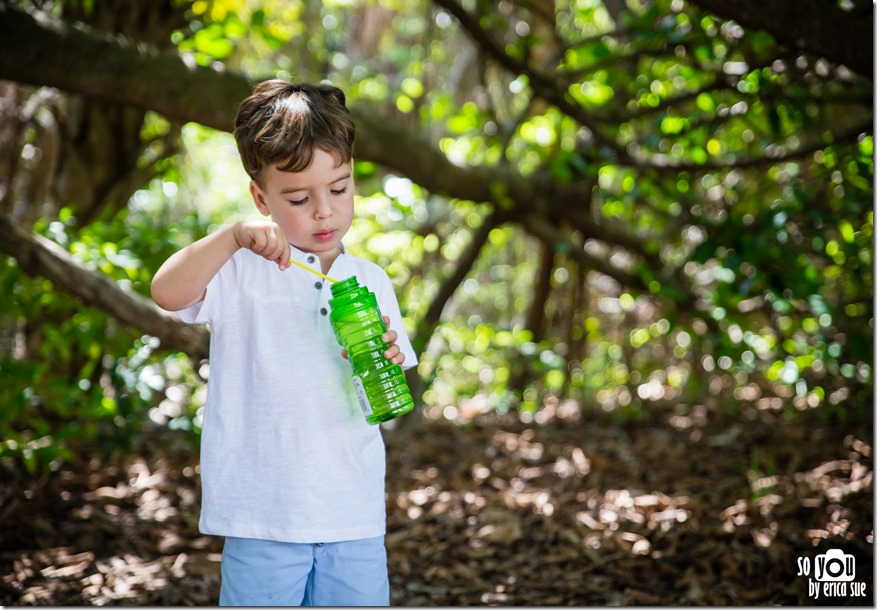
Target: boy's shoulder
x=368, y=270
x=362, y=263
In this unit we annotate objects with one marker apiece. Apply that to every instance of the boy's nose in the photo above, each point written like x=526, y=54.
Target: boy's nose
x=322, y=209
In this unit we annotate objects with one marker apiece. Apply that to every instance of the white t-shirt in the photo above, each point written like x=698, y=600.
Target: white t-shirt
x=286, y=453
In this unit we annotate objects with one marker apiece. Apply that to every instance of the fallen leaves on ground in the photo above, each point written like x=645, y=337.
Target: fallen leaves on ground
x=576, y=509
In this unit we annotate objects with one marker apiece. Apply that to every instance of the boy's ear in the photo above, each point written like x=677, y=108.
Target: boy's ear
x=259, y=198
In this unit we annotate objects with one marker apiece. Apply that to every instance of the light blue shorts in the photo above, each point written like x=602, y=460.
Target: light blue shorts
x=269, y=573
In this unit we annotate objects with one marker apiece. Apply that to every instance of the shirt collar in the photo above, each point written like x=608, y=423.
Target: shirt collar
x=309, y=258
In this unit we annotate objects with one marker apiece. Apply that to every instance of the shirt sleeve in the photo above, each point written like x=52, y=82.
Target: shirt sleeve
x=192, y=313
x=205, y=310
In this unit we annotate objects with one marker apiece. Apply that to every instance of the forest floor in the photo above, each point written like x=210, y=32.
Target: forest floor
x=572, y=509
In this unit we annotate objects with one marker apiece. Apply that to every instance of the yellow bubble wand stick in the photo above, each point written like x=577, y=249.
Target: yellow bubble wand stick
x=306, y=268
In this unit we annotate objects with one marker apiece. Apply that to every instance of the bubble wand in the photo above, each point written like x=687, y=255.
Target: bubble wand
x=306, y=268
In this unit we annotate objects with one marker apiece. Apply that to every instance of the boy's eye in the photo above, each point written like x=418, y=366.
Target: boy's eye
x=298, y=201
x=339, y=191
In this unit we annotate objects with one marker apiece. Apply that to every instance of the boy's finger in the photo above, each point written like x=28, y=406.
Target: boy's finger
x=262, y=242
x=274, y=253
x=281, y=251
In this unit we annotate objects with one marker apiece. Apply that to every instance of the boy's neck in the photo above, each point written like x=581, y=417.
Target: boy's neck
x=326, y=258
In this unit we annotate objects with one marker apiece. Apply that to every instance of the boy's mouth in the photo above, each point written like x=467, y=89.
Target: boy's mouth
x=325, y=235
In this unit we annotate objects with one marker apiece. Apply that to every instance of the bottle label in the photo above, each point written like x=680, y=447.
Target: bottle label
x=361, y=395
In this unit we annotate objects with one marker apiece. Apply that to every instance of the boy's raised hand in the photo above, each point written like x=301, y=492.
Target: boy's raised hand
x=264, y=238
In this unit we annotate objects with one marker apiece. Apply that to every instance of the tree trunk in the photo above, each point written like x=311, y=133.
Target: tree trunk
x=536, y=316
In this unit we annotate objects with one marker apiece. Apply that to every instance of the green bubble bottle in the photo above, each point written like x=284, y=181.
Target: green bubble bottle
x=380, y=384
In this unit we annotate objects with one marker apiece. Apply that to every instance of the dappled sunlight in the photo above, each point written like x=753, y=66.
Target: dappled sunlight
x=823, y=488
x=739, y=500
x=516, y=479
x=124, y=579
x=631, y=242
x=128, y=536
x=566, y=507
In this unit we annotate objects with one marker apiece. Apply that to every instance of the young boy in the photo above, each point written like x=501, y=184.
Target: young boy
x=292, y=475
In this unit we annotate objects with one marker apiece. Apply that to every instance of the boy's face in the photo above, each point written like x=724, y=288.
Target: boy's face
x=314, y=207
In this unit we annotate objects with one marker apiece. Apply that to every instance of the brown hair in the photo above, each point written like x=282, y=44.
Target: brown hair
x=281, y=123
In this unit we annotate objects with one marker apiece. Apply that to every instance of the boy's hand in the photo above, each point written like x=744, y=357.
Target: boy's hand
x=264, y=238
x=393, y=353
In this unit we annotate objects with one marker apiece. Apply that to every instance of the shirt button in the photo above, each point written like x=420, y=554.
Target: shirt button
x=311, y=259
x=324, y=311
x=318, y=285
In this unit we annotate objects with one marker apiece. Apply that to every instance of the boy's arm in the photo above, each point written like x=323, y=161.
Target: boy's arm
x=182, y=280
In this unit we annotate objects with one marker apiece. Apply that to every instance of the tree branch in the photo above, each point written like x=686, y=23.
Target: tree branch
x=49, y=52
x=427, y=325
x=661, y=163
x=544, y=86
x=77, y=59
x=40, y=50
x=815, y=26
x=548, y=233
x=39, y=256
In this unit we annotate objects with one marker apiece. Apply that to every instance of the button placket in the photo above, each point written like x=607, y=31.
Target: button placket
x=322, y=300
x=325, y=296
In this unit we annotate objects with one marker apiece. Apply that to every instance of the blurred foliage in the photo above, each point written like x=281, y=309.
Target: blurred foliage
x=91, y=381
x=775, y=245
